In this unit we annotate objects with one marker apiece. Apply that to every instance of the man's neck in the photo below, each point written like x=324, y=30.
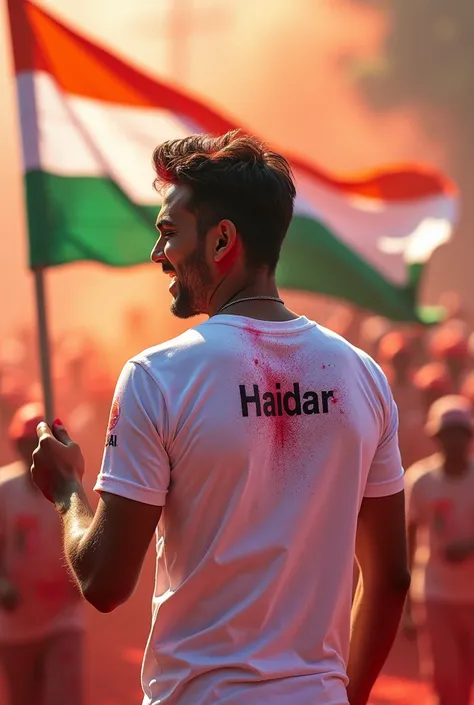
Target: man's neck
x=455, y=467
x=244, y=300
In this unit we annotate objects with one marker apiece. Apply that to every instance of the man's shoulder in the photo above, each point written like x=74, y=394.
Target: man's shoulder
x=338, y=342
x=343, y=348
x=174, y=352
x=423, y=471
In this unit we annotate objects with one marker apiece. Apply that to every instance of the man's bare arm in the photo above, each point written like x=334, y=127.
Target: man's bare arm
x=383, y=584
x=105, y=550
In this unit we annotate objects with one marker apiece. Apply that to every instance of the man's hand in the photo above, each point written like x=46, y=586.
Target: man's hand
x=9, y=596
x=58, y=464
x=458, y=551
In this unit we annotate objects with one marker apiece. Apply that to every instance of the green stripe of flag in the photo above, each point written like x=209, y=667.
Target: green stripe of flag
x=74, y=219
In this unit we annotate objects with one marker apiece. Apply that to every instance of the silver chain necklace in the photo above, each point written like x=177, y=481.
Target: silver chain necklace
x=251, y=298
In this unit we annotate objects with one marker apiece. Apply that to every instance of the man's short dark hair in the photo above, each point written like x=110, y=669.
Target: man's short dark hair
x=233, y=177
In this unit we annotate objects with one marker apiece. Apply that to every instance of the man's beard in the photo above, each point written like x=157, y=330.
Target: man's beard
x=193, y=281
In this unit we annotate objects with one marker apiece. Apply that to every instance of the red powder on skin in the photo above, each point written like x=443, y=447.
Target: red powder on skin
x=229, y=260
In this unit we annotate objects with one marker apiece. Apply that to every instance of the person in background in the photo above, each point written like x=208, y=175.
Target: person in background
x=433, y=381
x=372, y=330
x=440, y=517
x=395, y=355
x=450, y=345
x=137, y=331
x=12, y=395
x=41, y=611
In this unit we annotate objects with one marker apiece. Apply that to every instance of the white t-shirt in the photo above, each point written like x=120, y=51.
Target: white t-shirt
x=443, y=509
x=260, y=439
x=32, y=556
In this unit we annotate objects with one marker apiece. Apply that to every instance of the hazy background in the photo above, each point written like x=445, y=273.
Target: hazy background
x=349, y=84
x=307, y=75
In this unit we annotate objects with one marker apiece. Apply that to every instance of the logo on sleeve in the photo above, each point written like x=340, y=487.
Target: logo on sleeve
x=111, y=440
x=114, y=414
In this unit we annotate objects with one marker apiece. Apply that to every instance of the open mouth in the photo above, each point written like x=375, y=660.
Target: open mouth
x=173, y=277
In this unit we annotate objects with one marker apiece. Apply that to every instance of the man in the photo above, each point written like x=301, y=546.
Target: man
x=450, y=345
x=440, y=511
x=395, y=356
x=432, y=381
x=41, y=613
x=259, y=443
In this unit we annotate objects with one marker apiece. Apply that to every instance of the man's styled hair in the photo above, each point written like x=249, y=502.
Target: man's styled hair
x=233, y=177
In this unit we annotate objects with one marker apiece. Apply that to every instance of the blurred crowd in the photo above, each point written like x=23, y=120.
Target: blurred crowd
x=422, y=363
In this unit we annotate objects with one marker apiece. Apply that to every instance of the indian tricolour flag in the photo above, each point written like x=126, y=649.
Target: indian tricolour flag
x=89, y=124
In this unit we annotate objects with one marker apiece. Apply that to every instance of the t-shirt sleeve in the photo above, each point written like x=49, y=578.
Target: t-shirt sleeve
x=135, y=463
x=386, y=476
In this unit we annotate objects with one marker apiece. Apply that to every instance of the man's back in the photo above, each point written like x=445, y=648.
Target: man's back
x=271, y=434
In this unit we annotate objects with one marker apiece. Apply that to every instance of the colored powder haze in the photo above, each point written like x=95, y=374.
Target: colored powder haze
x=261, y=77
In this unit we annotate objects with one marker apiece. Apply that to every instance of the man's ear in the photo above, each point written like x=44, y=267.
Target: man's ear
x=225, y=240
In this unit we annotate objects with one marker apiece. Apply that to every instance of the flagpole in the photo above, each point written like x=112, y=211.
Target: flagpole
x=43, y=344
x=22, y=44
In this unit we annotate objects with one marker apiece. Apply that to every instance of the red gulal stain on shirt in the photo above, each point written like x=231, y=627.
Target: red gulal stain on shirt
x=268, y=380
x=281, y=430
